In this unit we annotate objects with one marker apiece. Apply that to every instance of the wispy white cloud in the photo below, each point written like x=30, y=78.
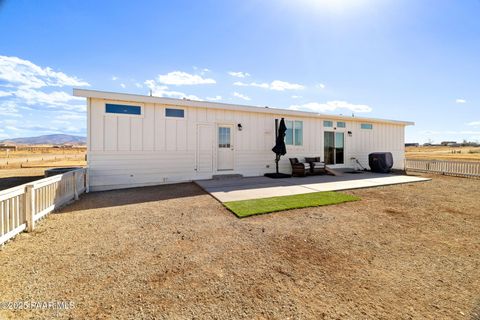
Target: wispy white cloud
x=29, y=88
x=239, y=74
x=179, y=78
x=321, y=86
x=114, y=78
x=24, y=73
x=460, y=101
x=216, y=98
x=163, y=91
x=296, y=97
x=138, y=85
x=71, y=116
x=474, y=124
x=252, y=84
x=241, y=96
x=55, y=99
x=12, y=128
x=123, y=85
x=9, y=109
x=276, y=85
x=332, y=106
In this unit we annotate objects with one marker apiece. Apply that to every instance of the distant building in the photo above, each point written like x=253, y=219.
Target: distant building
x=7, y=147
x=413, y=144
x=449, y=143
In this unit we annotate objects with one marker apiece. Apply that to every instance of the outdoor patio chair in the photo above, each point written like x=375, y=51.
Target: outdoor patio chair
x=299, y=169
x=316, y=166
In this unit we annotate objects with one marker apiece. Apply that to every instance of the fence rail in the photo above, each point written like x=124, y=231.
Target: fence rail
x=22, y=206
x=446, y=167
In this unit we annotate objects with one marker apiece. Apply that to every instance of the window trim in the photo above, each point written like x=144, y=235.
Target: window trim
x=128, y=115
x=293, y=144
x=344, y=124
x=329, y=121
x=366, y=126
x=173, y=117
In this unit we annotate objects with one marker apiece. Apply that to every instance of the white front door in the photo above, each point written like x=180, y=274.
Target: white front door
x=225, y=147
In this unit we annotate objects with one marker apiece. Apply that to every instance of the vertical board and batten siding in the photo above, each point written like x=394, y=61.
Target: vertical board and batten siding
x=149, y=149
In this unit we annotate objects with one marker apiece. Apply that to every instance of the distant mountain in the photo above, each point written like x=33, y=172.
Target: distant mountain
x=52, y=139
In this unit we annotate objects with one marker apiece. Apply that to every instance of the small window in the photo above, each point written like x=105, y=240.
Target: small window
x=341, y=124
x=294, y=134
x=174, y=113
x=366, y=126
x=327, y=123
x=122, y=109
x=224, y=137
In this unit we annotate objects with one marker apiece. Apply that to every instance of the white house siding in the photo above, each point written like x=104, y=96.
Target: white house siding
x=128, y=151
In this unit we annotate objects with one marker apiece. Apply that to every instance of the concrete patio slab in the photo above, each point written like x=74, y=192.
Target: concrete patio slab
x=263, y=187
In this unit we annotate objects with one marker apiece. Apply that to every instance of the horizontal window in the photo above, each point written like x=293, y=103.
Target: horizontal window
x=341, y=124
x=174, y=113
x=328, y=123
x=294, y=134
x=366, y=126
x=122, y=109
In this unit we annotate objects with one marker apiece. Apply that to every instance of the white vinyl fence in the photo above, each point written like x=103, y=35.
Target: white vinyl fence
x=22, y=206
x=446, y=167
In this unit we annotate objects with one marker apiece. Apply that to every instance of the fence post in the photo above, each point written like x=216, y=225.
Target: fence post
x=75, y=189
x=87, y=180
x=30, y=207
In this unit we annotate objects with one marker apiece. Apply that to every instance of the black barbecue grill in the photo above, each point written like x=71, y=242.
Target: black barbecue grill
x=381, y=162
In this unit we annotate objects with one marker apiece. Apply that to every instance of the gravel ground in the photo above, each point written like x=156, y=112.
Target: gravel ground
x=173, y=252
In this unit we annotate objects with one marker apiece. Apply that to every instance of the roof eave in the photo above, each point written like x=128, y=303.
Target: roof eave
x=86, y=93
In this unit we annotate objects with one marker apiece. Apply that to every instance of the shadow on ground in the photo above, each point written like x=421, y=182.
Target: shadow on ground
x=114, y=198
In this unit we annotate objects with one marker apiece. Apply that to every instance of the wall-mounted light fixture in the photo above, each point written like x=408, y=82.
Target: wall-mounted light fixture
x=349, y=133
x=239, y=126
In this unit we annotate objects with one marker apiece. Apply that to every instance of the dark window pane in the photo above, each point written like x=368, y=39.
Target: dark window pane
x=339, y=147
x=366, y=126
x=329, y=147
x=122, y=109
x=176, y=113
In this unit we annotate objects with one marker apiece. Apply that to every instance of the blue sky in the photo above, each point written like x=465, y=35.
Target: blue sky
x=405, y=59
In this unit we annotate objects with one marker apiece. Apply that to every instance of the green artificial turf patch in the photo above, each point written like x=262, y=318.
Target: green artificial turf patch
x=247, y=208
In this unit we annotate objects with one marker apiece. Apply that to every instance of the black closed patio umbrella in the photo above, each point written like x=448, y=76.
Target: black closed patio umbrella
x=279, y=149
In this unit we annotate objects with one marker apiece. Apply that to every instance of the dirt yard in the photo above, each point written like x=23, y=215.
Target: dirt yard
x=173, y=252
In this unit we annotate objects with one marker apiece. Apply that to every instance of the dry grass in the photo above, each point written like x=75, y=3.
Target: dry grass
x=40, y=150
x=172, y=252
x=444, y=153
x=11, y=177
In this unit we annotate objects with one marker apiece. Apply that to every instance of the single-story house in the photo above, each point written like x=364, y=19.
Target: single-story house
x=135, y=140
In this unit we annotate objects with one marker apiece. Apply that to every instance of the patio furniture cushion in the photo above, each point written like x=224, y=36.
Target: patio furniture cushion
x=312, y=159
x=317, y=164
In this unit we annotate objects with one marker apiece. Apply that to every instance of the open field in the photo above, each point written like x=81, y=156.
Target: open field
x=28, y=163
x=444, y=153
x=11, y=177
x=29, y=156
x=172, y=252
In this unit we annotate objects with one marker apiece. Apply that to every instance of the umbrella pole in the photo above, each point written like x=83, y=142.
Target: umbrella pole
x=276, y=135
